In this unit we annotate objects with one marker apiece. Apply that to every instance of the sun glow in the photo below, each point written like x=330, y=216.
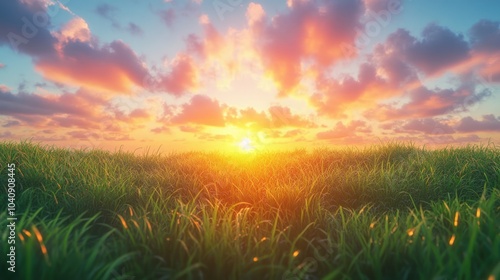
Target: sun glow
x=246, y=145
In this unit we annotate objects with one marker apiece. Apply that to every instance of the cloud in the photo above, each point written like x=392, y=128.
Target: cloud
x=488, y=123
x=70, y=55
x=83, y=135
x=83, y=109
x=161, y=130
x=426, y=126
x=24, y=27
x=6, y=135
x=182, y=77
x=293, y=133
x=395, y=67
x=485, y=40
x=255, y=13
x=190, y=129
x=425, y=103
x=342, y=131
x=438, y=49
x=248, y=117
x=485, y=36
x=334, y=96
x=134, y=29
x=11, y=123
x=105, y=10
x=134, y=115
x=215, y=137
x=311, y=31
x=168, y=16
x=113, y=67
x=200, y=110
x=275, y=117
x=34, y=104
x=76, y=29
x=281, y=116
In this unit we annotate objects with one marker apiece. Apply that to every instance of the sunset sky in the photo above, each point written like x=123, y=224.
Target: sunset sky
x=235, y=74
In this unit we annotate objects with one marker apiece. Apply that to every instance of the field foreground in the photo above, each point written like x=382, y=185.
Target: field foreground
x=389, y=212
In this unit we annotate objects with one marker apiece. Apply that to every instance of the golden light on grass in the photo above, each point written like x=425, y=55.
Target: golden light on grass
x=21, y=237
x=455, y=223
x=39, y=237
x=122, y=220
x=135, y=223
x=491, y=277
x=411, y=231
x=478, y=213
x=148, y=224
x=296, y=253
x=44, y=249
x=27, y=232
x=246, y=145
x=372, y=225
x=452, y=240
x=37, y=234
x=255, y=259
x=263, y=239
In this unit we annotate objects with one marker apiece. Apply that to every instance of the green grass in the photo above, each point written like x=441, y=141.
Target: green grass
x=386, y=212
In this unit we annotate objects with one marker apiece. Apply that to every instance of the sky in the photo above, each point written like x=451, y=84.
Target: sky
x=237, y=75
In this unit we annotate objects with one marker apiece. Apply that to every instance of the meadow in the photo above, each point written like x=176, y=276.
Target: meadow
x=392, y=211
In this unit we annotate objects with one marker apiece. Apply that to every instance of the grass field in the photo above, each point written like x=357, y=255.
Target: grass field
x=393, y=211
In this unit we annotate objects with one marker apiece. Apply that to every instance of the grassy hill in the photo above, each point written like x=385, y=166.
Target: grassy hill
x=394, y=211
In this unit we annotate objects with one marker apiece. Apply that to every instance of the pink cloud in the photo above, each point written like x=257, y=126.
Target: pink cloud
x=425, y=103
x=335, y=96
x=306, y=32
x=488, y=123
x=76, y=29
x=255, y=13
x=342, y=131
x=114, y=67
x=182, y=77
x=200, y=110
x=426, y=126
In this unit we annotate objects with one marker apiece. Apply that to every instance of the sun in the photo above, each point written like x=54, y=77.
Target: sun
x=246, y=145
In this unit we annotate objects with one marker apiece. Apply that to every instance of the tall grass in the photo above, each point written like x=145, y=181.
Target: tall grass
x=394, y=211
